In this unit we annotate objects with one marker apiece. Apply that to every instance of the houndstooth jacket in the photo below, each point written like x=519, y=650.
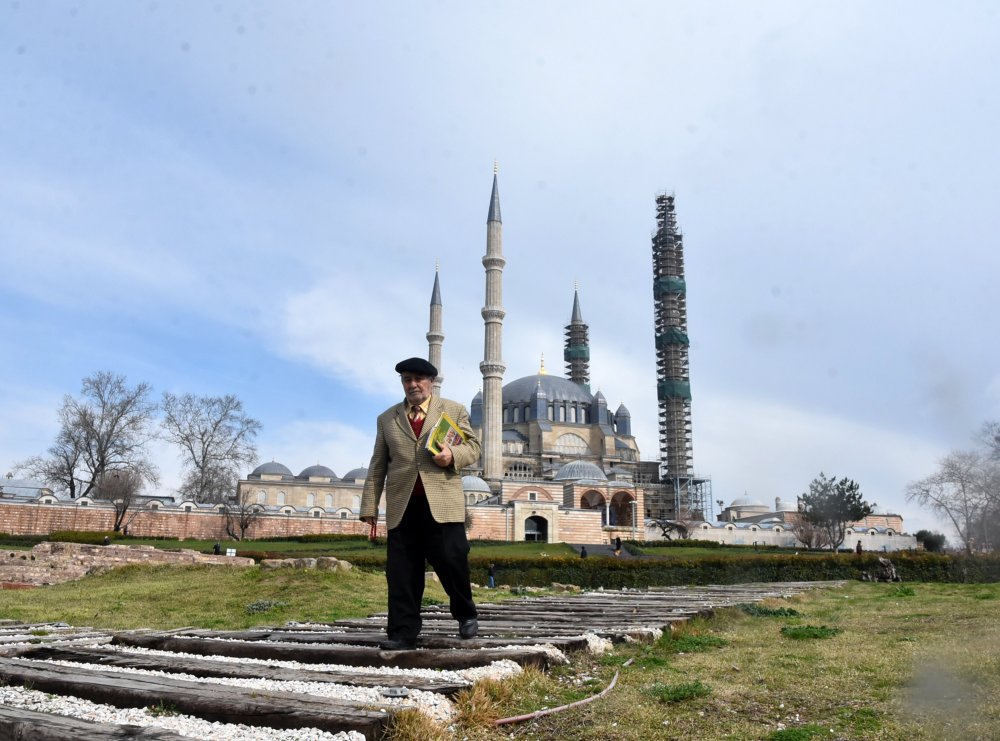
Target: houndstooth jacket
x=399, y=456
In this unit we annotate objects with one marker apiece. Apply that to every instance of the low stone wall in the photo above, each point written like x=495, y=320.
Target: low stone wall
x=54, y=563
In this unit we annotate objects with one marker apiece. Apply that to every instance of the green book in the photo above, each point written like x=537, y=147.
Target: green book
x=444, y=432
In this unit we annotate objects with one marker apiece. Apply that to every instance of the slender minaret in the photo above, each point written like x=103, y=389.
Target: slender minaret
x=492, y=366
x=674, y=384
x=435, y=334
x=577, y=350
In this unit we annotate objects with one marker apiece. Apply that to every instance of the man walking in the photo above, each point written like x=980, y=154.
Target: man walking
x=424, y=505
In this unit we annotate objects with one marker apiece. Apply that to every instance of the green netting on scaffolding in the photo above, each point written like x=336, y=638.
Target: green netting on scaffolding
x=673, y=336
x=673, y=390
x=576, y=352
x=669, y=284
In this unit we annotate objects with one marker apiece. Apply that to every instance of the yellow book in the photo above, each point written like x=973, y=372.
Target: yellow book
x=446, y=432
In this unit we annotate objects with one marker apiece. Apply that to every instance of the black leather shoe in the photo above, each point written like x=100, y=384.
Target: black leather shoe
x=397, y=644
x=468, y=628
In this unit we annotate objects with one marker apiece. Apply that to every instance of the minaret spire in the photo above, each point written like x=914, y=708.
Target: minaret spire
x=435, y=332
x=492, y=366
x=577, y=350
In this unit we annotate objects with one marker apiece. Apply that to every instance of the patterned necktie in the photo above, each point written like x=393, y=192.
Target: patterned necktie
x=416, y=413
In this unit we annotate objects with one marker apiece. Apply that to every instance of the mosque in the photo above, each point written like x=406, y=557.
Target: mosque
x=557, y=464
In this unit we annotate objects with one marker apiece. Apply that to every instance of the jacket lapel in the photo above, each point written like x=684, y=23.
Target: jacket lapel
x=404, y=422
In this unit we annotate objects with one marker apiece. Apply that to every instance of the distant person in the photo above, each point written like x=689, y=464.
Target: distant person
x=424, y=505
x=583, y=551
x=217, y=549
x=491, y=576
x=858, y=549
x=618, y=546
x=107, y=540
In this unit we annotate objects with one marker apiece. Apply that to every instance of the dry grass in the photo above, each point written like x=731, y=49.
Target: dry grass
x=917, y=663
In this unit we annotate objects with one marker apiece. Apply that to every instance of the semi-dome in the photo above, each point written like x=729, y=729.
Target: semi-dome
x=271, y=468
x=354, y=474
x=555, y=388
x=575, y=470
x=475, y=484
x=317, y=471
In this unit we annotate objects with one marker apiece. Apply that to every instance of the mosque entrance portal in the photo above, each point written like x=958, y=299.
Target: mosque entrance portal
x=537, y=529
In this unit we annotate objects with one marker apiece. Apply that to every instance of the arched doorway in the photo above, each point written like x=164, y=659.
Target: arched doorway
x=536, y=529
x=595, y=500
x=621, y=509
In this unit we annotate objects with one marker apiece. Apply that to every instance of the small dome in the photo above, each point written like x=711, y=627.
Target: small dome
x=354, y=474
x=317, y=471
x=746, y=501
x=474, y=483
x=271, y=468
x=622, y=411
x=575, y=470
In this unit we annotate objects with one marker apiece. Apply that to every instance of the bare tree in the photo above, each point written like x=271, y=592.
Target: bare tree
x=121, y=488
x=216, y=438
x=670, y=528
x=810, y=534
x=239, y=514
x=964, y=489
x=106, y=429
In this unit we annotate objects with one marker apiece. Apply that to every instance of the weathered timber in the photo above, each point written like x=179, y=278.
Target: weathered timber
x=214, y=668
x=28, y=725
x=428, y=639
x=223, y=703
x=347, y=655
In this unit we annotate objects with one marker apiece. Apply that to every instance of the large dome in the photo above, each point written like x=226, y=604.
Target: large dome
x=271, y=468
x=555, y=388
x=575, y=470
x=317, y=471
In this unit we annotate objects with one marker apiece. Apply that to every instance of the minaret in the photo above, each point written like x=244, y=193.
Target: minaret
x=492, y=366
x=673, y=389
x=577, y=350
x=435, y=334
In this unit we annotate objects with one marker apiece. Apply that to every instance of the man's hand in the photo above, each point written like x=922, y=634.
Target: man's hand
x=445, y=457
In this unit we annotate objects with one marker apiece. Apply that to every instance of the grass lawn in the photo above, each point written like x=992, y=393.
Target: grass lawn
x=866, y=661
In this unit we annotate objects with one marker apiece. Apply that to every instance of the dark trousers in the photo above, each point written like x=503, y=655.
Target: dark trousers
x=419, y=538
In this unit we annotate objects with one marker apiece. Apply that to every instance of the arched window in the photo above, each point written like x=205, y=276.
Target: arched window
x=571, y=444
x=261, y=496
x=329, y=501
x=281, y=498
x=310, y=499
x=572, y=414
x=552, y=413
x=517, y=414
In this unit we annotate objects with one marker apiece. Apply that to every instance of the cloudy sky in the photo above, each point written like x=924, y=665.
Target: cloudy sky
x=250, y=198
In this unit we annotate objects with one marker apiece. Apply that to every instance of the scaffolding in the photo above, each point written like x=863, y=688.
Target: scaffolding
x=690, y=495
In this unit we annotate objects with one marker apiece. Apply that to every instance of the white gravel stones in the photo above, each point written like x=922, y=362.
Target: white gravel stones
x=184, y=725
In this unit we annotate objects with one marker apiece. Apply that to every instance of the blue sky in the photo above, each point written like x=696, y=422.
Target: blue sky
x=250, y=198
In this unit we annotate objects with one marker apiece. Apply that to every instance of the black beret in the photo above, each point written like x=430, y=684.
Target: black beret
x=416, y=366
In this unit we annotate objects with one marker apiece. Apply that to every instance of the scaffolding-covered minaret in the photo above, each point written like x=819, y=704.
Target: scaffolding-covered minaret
x=435, y=333
x=492, y=366
x=577, y=350
x=673, y=388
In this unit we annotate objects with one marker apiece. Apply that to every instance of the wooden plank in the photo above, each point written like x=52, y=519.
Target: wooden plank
x=222, y=703
x=214, y=668
x=348, y=655
x=28, y=725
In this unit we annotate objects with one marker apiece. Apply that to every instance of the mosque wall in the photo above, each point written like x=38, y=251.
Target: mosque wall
x=166, y=522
